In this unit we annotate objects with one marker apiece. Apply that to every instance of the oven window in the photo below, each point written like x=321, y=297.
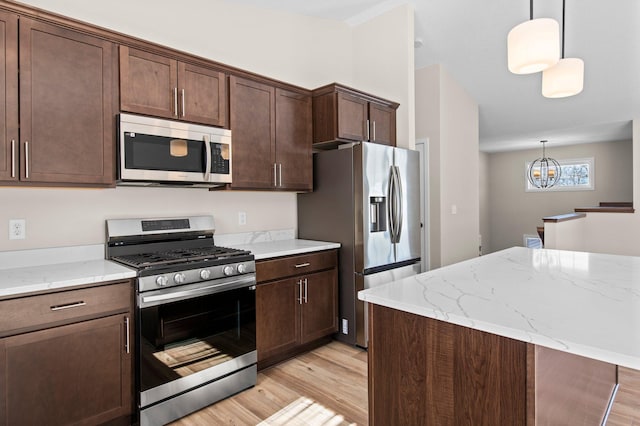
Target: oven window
x=185, y=337
x=150, y=152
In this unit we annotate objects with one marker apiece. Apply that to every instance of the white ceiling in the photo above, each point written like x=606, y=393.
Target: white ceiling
x=469, y=38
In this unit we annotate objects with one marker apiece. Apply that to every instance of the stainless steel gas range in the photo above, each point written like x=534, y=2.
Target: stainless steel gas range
x=195, y=316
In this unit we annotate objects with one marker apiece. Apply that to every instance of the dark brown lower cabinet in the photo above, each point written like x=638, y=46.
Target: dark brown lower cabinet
x=296, y=313
x=78, y=373
x=428, y=372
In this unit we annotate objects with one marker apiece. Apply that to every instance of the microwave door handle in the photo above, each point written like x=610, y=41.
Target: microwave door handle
x=207, y=149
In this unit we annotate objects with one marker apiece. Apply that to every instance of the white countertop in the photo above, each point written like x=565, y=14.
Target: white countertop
x=582, y=303
x=28, y=271
x=56, y=276
x=268, y=249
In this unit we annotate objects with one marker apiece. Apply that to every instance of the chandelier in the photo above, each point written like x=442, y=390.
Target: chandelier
x=544, y=172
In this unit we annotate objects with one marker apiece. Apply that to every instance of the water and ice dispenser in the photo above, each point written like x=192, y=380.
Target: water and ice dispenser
x=378, y=216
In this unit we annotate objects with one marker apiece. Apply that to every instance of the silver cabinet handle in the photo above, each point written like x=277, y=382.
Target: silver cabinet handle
x=275, y=174
x=374, y=131
x=299, y=292
x=13, y=158
x=306, y=290
x=175, y=101
x=367, y=130
x=302, y=265
x=127, y=335
x=183, y=109
x=26, y=159
x=280, y=173
x=68, y=306
x=207, y=149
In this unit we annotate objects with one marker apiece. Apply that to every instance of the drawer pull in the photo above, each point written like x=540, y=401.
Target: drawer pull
x=302, y=265
x=68, y=306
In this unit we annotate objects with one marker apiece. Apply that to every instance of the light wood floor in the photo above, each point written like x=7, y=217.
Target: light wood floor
x=328, y=386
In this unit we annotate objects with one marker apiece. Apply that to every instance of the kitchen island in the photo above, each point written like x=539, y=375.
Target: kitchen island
x=521, y=336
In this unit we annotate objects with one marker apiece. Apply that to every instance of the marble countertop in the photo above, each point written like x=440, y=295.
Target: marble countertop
x=48, y=269
x=582, y=303
x=28, y=271
x=268, y=249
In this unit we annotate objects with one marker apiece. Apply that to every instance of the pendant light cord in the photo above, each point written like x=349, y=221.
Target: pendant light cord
x=531, y=10
x=563, y=29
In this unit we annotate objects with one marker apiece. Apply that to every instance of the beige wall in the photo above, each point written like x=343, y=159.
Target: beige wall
x=514, y=212
x=305, y=51
x=448, y=117
x=483, y=183
x=615, y=233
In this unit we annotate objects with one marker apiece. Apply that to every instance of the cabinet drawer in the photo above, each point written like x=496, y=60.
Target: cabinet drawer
x=32, y=312
x=267, y=270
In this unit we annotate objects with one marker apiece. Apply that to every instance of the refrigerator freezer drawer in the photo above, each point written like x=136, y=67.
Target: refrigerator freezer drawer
x=374, y=280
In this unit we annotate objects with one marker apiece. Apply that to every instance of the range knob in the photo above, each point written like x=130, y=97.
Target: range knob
x=242, y=268
x=179, y=278
x=161, y=281
x=205, y=274
x=228, y=270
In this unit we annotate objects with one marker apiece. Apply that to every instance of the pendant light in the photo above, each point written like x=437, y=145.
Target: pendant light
x=544, y=172
x=533, y=46
x=566, y=78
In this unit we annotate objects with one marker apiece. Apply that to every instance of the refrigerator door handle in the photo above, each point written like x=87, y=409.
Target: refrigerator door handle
x=400, y=210
x=391, y=203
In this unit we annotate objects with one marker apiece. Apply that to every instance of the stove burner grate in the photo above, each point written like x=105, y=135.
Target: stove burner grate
x=145, y=260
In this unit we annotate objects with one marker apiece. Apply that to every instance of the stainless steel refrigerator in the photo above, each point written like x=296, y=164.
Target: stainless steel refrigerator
x=366, y=197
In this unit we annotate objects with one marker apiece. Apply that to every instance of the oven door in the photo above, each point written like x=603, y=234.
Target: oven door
x=155, y=150
x=194, y=334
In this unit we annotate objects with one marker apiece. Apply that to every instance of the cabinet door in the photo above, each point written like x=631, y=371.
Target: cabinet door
x=67, y=125
x=148, y=83
x=74, y=374
x=203, y=95
x=277, y=312
x=319, y=316
x=252, y=124
x=293, y=141
x=9, y=142
x=382, y=122
x=352, y=118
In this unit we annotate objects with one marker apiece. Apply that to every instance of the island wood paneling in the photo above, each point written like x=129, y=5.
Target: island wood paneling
x=423, y=371
x=336, y=375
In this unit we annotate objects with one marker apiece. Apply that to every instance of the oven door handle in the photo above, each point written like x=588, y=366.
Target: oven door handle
x=172, y=295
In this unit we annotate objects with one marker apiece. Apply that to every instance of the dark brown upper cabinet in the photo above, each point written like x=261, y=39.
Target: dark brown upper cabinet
x=271, y=130
x=66, y=105
x=160, y=86
x=342, y=114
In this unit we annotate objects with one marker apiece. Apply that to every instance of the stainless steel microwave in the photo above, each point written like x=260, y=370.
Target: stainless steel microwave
x=154, y=151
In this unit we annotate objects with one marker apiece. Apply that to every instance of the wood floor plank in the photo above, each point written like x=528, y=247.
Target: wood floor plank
x=328, y=386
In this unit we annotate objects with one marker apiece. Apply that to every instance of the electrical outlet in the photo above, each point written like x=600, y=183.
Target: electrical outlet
x=17, y=229
x=242, y=218
x=345, y=326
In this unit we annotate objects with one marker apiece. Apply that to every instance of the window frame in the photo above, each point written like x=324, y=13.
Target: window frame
x=590, y=161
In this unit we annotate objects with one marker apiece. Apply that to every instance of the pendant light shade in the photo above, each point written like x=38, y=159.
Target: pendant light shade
x=566, y=78
x=533, y=46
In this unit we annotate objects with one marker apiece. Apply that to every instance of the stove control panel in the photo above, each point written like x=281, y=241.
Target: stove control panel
x=219, y=272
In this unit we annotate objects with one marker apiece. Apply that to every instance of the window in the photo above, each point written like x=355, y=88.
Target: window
x=576, y=175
